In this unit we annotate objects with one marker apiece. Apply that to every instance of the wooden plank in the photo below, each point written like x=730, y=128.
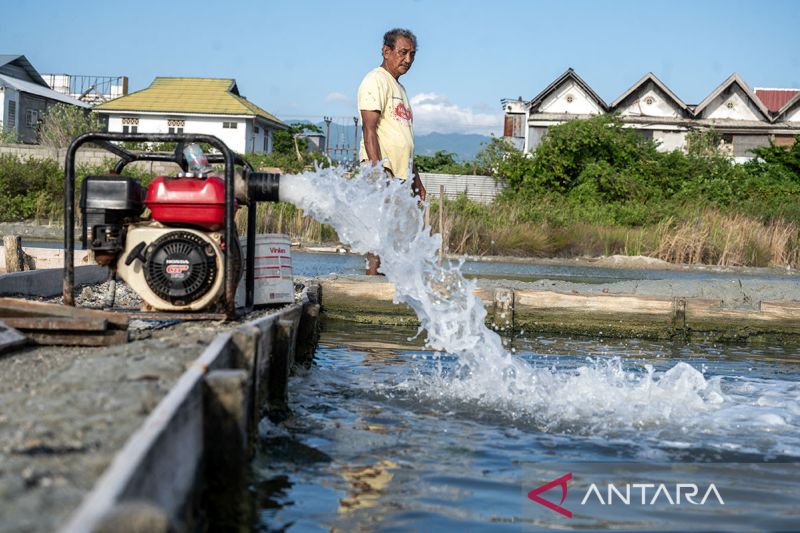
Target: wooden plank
x=699, y=310
x=18, y=308
x=10, y=337
x=358, y=290
x=58, y=324
x=15, y=257
x=592, y=303
x=781, y=310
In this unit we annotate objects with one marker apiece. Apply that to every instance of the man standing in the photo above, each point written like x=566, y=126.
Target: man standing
x=388, y=133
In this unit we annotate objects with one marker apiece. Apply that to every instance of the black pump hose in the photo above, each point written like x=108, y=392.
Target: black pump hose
x=263, y=186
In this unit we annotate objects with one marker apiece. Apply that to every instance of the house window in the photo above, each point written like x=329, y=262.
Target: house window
x=266, y=141
x=130, y=125
x=230, y=125
x=31, y=117
x=256, y=129
x=730, y=104
x=570, y=98
x=175, y=125
x=12, y=113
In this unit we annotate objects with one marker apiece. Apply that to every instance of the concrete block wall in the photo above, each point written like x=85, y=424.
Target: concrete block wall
x=85, y=156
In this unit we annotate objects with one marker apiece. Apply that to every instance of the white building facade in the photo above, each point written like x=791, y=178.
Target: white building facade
x=732, y=109
x=194, y=105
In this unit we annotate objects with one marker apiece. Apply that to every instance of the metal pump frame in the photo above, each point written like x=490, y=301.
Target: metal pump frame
x=226, y=156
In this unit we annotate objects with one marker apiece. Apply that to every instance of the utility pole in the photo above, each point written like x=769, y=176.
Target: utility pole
x=328, y=136
x=355, y=145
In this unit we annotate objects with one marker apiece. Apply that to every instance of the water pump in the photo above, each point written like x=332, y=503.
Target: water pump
x=169, y=240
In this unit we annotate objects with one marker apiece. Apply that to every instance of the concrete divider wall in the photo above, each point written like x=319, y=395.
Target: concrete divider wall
x=186, y=465
x=616, y=315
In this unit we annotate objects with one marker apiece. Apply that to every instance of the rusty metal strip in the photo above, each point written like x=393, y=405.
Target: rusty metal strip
x=176, y=316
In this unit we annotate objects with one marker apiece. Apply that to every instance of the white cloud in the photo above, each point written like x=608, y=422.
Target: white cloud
x=434, y=112
x=338, y=98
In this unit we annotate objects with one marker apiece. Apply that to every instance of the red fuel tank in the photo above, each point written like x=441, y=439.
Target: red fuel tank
x=193, y=201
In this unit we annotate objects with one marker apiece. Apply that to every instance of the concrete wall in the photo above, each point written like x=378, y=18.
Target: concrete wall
x=742, y=108
x=651, y=103
x=241, y=139
x=570, y=98
x=793, y=116
x=85, y=156
x=235, y=138
x=670, y=140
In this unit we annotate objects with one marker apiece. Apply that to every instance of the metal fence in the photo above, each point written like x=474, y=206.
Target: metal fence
x=482, y=189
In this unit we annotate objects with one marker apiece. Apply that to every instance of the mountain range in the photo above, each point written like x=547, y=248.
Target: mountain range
x=464, y=145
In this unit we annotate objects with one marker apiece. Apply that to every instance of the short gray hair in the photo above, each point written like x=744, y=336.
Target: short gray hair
x=390, y=37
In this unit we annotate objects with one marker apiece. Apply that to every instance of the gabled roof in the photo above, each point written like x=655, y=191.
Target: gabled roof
x=208, y=96
x=775, y=99
x=650, y=77
x=46, y=92
x=788, y=106
x=568, y=75
x=23, y=63
x=734, y=79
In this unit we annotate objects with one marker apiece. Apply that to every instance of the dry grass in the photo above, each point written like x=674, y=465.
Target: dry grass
x=729, y=240
x=284, y=218
x=710, y=237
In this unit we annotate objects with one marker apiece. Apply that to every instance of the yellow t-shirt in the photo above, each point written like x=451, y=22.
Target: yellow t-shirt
x=379, y=91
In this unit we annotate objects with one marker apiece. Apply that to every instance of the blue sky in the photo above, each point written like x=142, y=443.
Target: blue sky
x=306, y=58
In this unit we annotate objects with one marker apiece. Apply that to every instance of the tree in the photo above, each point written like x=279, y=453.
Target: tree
x=61, y=123
x=283, y=141
x=784, y=157
x=441, y=161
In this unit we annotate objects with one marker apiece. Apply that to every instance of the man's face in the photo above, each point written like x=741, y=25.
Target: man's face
x=399, y=59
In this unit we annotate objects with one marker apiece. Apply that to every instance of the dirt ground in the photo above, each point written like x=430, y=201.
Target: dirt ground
x=66, y=411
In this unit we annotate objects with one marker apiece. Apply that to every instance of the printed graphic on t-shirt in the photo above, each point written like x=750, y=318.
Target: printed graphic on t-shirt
x=403, y=114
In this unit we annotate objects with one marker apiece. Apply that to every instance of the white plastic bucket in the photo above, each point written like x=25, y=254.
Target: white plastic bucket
x=273, y=281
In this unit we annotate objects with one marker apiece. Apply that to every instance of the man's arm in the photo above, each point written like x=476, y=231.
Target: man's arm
x=369, y=128
x=417, y=186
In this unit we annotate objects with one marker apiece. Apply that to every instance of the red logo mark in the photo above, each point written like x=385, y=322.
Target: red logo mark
x=176, y=269
x=562, y=482
x=403, y=113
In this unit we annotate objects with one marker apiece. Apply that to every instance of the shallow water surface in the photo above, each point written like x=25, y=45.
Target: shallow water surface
x=385, y=436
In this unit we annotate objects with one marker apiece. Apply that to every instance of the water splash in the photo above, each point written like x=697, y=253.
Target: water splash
x=600, y=397
x=373, y=216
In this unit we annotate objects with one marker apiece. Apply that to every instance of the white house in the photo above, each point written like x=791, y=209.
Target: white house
x=194, y=105
x=25, y=97
x=745, y=118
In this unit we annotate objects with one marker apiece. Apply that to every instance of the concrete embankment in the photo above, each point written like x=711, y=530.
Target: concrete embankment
x=745, y=308
x=156, y=432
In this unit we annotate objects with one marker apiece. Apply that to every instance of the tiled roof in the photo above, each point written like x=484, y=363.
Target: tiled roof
x=189, y=95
